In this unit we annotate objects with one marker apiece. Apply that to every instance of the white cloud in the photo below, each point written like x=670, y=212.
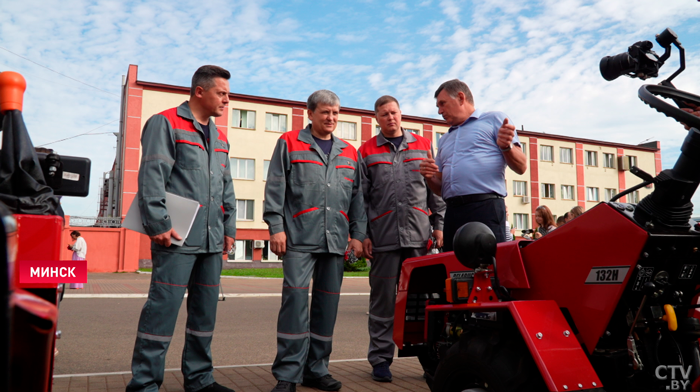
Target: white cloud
x=351, y=38
x=450, y=10
x=398, y=5
x=535, y=60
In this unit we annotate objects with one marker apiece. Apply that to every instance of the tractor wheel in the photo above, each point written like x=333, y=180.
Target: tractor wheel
x=488, y=363
x=429, y=362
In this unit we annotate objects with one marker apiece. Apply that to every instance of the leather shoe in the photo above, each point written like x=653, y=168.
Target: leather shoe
x=285, y=386
x=216, y=387
x=325, y=383
x=381, y=372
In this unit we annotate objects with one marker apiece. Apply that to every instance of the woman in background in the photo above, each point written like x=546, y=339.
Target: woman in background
x=545, y=221
x=576, y=212
x=79, y=248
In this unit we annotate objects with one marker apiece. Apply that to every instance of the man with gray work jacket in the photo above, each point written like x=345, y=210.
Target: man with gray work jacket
x=401, y=210
x=313, y=201
x=184, y=153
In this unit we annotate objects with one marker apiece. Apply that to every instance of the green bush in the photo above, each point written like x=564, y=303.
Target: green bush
x=360, y=265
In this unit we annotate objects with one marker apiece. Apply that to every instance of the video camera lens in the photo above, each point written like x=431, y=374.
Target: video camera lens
x=612, y=67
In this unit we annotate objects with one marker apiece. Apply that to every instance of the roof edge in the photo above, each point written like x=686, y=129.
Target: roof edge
x=169, y=88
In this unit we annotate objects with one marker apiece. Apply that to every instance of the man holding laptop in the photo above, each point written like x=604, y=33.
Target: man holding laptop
x=183, y=153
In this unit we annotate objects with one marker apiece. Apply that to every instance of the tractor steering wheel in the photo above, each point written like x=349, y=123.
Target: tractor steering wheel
x=649, y=92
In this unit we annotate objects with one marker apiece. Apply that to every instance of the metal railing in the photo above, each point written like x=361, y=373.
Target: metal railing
x=95, y=221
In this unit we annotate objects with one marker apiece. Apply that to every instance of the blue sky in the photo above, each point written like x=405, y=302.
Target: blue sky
x=535, y=60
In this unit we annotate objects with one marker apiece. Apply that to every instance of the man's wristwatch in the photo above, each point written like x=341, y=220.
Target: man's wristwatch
x=510, y=146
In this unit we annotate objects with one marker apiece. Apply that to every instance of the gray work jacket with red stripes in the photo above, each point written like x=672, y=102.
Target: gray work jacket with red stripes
x=177, y=158
x=315, y=199
x=400, y=206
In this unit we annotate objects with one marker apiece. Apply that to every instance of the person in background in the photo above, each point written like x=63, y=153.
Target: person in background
x=567, y=216
x=575, y=212
x=545, y=221
x=510, y=232
x=79, y=248
x=561, y=220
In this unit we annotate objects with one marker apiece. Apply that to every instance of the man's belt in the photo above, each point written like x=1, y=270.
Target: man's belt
x=466, y=199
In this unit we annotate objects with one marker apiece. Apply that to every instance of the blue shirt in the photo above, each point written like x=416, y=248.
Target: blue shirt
x=469, y=158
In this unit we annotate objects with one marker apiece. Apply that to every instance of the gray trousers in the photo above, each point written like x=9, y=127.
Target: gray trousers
x=383, y=279
x=173, y=273
x=304, y=347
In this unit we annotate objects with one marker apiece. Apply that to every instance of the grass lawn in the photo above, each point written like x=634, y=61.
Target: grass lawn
x=268, y=272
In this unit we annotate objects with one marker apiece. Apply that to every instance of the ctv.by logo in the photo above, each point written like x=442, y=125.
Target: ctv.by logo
x=678, y=381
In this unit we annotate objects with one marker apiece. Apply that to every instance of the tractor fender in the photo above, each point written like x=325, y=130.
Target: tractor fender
x=556, y=351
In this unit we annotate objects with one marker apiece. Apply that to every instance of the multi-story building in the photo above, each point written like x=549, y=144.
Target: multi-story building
x=562, y=172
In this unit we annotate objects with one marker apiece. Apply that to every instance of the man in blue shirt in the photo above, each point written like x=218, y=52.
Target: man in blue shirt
x=469, y=170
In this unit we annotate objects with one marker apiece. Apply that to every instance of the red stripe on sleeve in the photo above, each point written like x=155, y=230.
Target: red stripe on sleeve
x=345, y=215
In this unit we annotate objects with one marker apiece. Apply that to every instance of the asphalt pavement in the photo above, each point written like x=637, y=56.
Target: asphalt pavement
x=98, y=326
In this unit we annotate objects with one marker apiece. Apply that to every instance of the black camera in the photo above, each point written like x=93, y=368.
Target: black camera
x=639, y=61
x=66, y=175
x=528, y=231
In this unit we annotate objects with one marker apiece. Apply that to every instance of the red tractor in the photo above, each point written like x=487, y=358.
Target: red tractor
x=606, y=301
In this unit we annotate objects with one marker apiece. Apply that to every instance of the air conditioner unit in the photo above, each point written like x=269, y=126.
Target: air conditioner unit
x=623, y=163
x=526, y=199
x=259, y=244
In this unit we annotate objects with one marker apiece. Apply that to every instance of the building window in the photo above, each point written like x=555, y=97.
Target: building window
x=521, y=221
x=524, y=147
x=266, y=167
x=276, y=122
x=244, y=251
x=608, y=160
x=566, y=155
x=567, y=192
x=632, y=160
x=519, y=188
x=591, y=158
x=413, y=131
x=244, y=119
x=244, y=210
x=547, y=153
x=438, y=135
x=609, y=193
x=377, y=130
x=591, y=194
x=267, y=254
x=548, y=191
x=243, y=169
x=633, y=197
x=348, y=130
